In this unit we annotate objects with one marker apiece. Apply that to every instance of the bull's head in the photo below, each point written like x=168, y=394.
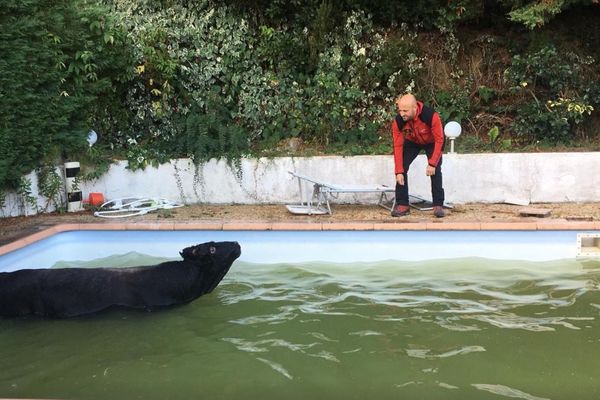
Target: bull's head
x=214, y=258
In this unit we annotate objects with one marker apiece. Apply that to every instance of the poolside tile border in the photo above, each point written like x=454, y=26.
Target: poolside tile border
x=559, y=224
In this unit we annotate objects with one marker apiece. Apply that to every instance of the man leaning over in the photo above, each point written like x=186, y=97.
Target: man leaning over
x=415, y=128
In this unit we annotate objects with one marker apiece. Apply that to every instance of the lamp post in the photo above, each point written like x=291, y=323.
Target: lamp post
x=74, y=194
x=452, y=130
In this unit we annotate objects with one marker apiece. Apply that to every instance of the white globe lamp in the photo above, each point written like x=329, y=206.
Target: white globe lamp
x=452, y=130
x=92, y=137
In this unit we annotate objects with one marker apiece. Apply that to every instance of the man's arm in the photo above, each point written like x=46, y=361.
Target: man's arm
x=438, y=136
x=398, y=146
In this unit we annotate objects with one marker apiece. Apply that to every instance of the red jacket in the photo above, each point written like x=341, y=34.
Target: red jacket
x=418, y=132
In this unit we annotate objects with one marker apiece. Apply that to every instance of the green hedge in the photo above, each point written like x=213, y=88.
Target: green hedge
x=58, y=69
x=203, y=79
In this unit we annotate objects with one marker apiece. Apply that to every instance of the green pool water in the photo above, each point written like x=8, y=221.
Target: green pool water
x=459, y=329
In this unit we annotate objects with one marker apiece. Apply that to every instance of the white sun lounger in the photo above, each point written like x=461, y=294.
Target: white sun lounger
x=318, y=203
x=322, y=192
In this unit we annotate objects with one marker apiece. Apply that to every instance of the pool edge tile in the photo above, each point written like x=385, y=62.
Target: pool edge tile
x=102, y=226
x=509, y=226
x=400, y=226
x=35, y=237
x=149, y=226
x=16, y=245
x=43, y=234
x=566, y=225
x=347, y=226
x=453, y=226
x=200, y=226
x=297, y=226
x=68, y=227
x=246, y=226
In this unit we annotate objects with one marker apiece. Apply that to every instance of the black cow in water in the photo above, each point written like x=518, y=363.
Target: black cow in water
x=69, y=292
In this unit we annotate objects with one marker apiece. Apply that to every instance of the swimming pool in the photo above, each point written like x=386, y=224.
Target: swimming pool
x=336, y=315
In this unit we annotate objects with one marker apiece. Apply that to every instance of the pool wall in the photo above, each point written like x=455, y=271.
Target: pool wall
x=303, y=242
x=489, y=178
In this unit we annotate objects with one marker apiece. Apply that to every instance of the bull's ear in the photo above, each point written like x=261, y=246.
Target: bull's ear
x=188, y=253
x=195, y=252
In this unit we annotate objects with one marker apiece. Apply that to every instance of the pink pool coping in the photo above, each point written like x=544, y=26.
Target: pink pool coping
x=549, y=225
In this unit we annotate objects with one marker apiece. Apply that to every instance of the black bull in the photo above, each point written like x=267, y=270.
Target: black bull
x=69, y=292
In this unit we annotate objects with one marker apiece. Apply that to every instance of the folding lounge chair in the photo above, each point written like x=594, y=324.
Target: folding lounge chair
x=324, y=191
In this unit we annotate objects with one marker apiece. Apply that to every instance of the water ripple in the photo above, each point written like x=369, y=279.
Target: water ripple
x=427, y=354
x=276, y=367
x=325, y=355
x=366, y=333
x=286, y=314
x=485, y=291
x=507, y=391
x=512, y=321
x=322, y=337
x=262, y=346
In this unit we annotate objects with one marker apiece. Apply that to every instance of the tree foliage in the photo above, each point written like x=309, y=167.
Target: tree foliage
x=536, y=13
x=206, y=78
x=56, y=72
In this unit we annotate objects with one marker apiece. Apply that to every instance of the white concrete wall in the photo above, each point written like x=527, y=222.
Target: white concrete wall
x=490, y=178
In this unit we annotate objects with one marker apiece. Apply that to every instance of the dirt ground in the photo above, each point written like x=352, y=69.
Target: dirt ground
x=16, y=227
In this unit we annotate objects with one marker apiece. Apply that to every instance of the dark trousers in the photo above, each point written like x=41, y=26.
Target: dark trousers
x=411, y=151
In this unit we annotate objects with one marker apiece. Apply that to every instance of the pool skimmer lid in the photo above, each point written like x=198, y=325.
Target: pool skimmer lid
x=588, y=245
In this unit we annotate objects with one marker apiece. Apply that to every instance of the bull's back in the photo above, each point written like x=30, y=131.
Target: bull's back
x=19, y=293
x=71, y=292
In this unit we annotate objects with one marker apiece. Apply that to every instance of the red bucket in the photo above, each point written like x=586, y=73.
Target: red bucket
x=96, y=199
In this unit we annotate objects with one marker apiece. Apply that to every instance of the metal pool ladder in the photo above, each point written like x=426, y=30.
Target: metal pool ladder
x=588, y=245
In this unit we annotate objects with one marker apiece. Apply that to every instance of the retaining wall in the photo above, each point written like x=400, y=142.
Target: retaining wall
x=490, y=178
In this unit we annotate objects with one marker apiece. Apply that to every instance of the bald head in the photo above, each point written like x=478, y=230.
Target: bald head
x=407, y=106
x=407, y=99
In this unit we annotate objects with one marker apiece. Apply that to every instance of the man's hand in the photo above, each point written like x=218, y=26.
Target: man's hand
x=430, y=171
x=400, y=179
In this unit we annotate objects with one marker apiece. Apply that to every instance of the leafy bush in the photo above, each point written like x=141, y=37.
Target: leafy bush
x=59, y=61
x=206, y=79
x=212, y=134
x=535, y=122
x=453, y=104
x=550, y=82
x=385, y=13
x=50, y=185
x=185, y=55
